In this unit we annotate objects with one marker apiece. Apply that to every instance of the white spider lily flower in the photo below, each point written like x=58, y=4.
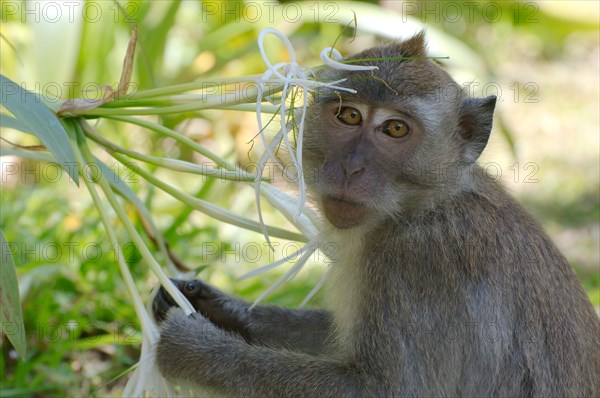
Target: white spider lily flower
x=291, y=75
x=306, y=222
x=146, y=379
x=305, y=252
x=334, y=63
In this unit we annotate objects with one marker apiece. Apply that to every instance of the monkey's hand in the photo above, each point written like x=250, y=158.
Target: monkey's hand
x=226, y=312
x=268, y=325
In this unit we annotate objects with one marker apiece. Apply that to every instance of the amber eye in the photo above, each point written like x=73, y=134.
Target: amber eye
x=349, y=115
x=395, y=128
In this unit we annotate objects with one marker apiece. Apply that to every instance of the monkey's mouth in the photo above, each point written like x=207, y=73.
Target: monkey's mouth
x=342, y=212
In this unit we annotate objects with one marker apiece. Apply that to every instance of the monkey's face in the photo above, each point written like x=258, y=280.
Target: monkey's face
x=407, y=139
x=369, y=160
x=359, y=159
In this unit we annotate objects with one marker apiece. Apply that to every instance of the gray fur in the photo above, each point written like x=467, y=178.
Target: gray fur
x=443, y=285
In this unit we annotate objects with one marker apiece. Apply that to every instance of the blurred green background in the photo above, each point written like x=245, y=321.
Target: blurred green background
x=541, y=58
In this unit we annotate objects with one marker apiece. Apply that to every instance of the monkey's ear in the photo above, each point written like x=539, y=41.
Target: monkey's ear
x=415, y=46
x=475, y=125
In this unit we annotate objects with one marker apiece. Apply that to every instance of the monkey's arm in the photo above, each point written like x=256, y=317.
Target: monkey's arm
x=194, y=349
x=294, y=329
x=299, y=330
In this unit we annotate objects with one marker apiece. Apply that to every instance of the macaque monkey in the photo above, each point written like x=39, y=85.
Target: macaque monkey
x=443, y=285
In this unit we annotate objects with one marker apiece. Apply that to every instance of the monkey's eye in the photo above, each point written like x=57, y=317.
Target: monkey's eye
x=395, y=128
x=349, y=115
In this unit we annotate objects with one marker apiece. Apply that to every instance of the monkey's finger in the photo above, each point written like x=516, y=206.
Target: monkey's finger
x=196, y=289
x=161, y=304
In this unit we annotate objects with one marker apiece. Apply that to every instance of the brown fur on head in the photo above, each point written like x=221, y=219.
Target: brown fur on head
x=403, y=69
x=358, y=173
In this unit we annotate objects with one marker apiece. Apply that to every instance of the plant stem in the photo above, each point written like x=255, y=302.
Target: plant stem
x=177, y=137
x=210, y=209
x=172, y=164
x=197, y=85
x=134, y=235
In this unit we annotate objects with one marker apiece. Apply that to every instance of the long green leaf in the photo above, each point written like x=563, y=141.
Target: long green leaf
x=12, y=123
x=35, y=155
x=31, y=112
x=11, y=315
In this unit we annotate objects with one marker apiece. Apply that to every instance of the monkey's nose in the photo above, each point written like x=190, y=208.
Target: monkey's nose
x=352, y=169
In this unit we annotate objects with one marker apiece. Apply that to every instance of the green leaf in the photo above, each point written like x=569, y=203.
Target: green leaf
x=31, y=112
x=11, y=315
x=35, y=155
x=123, y=189
x=12, y=123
